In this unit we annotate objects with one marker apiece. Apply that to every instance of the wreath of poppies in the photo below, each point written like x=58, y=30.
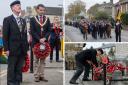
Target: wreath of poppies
x=42, y=54
x=25, y=68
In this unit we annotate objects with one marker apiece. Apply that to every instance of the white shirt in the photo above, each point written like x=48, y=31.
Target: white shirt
x=15, y=16
x=39, y=16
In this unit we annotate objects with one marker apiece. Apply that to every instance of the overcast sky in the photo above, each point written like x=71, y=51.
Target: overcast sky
x=5, y=5
x=88, y=3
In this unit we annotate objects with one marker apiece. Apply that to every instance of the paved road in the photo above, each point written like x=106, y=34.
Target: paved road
x=55, y=77
x=69, y=74
x=73, y=35
x=53, y=72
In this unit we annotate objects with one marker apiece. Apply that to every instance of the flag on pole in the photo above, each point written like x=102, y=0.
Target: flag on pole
x=118, y=16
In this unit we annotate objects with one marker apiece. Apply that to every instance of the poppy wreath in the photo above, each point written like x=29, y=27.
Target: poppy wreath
x=97, y=73
x=25, y=68
x=105, y=60
x=120, y=67
x=41, y=54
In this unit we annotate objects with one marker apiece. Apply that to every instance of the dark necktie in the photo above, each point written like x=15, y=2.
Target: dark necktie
x=19, y=23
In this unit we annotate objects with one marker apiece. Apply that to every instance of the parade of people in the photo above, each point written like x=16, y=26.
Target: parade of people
x=97, y=29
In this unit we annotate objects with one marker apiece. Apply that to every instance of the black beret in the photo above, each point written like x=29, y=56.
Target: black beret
x=14, y=3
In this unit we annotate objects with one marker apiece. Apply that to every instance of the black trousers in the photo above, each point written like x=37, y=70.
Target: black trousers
x=55, y=45
x=94, y=34
x=14, y=73
x=79, y=69
x=85, y=35
x=118, y=36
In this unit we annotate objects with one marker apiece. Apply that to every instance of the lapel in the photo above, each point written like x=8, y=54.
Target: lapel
x=23, y=25
x=15, y=22
x=37, y=18
x=44, y=18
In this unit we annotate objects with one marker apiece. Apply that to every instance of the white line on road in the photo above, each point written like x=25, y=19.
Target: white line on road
x=61, y=71
x=3, y=73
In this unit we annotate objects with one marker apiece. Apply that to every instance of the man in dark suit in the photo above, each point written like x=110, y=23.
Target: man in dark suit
x=40, y=31
x=84, y=60
x=15, y=43
x=118, y=28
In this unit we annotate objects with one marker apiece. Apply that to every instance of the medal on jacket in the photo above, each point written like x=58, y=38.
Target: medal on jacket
x=42, y=29
x=41, y=24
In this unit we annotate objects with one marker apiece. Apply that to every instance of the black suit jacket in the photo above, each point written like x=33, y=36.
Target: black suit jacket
x=14, y=40
x=89, y=54
x=36, y=30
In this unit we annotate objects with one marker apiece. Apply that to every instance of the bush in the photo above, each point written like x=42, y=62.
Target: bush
x=124, y=18
x=101, y=16
x=3, y=60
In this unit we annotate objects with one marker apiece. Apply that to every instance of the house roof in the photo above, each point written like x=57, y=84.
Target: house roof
x=122, y=2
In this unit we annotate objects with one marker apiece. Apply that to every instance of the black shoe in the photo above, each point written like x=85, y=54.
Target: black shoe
x=43, y=79
x=86, y=79
x=37, y=79
x=71, y=82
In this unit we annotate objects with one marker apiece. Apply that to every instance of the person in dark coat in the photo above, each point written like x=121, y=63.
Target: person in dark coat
x=95, y=30
x=118, y=28
x=104, y=29
x=84, y=28
x=85, y=59
x=55, y=36
x=81, y=25
x=15, y=43
x=40, y=28
x=101, y=30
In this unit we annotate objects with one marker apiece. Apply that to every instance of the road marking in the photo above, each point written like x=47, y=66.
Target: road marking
x=3, y=73
x=61, y=71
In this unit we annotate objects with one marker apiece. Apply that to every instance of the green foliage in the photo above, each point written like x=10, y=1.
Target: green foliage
x=124, y=18
x=3, y=60
x=101, y=16
x=93, y=10
x=75, y=8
